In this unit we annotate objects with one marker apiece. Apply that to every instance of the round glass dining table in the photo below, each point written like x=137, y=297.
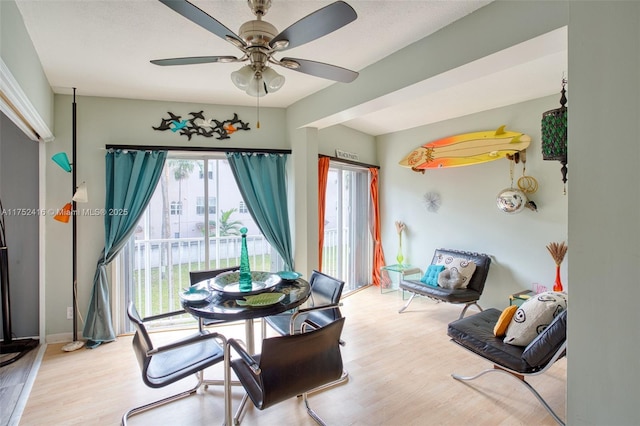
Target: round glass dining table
x=225, y=307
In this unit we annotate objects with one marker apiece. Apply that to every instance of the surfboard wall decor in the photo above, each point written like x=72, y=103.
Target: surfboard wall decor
x=466, y=149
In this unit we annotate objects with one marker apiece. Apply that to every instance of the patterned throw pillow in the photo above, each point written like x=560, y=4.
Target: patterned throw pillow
x=534, y=316
x=464, y=267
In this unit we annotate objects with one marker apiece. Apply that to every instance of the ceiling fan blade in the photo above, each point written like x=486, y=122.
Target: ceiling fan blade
x=202, y=18
x=194, y=60
x=320, y=69
x=317, y=24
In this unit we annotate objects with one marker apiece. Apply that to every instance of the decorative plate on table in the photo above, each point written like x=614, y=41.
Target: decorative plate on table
x=195, y=294
x=289, y=275
x=264, y=299
x=229, y=283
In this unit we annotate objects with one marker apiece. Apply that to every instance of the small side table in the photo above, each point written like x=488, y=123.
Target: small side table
x=399, y=271
x=520, y=297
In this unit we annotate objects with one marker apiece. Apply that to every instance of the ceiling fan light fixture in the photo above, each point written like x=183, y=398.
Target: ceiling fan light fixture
x=272, y=79
x=243, y=77
x=256, y=88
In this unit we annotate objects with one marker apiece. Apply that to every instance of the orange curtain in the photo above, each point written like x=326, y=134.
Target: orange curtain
x=323, y=173
x=378, y=255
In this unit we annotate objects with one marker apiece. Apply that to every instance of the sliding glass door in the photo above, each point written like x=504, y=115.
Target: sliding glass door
x=347, y=251
x=192, y=223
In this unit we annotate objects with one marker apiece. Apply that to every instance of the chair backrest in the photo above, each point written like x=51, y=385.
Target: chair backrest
x=325, y=290
x=142, y=343
x=294, y=364
x=549, y=345
x=197, y=276
x=481, y=260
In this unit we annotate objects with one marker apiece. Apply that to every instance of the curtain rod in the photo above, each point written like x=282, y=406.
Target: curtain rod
x=355, y=163
x=197, y=149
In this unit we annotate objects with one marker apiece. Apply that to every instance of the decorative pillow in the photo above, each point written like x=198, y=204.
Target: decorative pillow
x=431, y=276
x=450, y=278
x=534, y=316
x=503, y=322
x=465, y=267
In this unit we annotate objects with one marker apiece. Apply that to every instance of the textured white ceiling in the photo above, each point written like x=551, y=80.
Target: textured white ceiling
x=103, y=48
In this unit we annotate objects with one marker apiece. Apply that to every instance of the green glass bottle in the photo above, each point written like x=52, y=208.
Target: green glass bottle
x=245, y=271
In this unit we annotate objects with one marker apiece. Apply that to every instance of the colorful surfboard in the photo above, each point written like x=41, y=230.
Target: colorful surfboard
x=466, y=149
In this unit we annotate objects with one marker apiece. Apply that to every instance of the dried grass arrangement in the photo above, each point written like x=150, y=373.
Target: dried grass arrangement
x=557, y=251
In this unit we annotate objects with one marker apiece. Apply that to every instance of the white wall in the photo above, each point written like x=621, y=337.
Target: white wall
x=468, y=218
x=19, y=55
x=349, y=140
x=603, y=367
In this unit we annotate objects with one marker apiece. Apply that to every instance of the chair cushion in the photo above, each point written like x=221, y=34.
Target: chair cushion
x=534, y=316
x=475, y=333
x=167, y=367
x=431, y=276
x=542, y=348
x=451, y=295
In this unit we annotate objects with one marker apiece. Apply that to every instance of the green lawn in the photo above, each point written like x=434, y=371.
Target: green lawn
x=164, y=292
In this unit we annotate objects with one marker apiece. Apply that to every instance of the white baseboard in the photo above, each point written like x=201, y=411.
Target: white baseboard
x=59, y=338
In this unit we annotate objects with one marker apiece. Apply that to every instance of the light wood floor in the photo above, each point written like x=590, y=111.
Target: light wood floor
x=400, y=369
x=14, y=379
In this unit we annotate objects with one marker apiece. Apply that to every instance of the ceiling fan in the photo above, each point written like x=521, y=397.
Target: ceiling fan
x=259, y=41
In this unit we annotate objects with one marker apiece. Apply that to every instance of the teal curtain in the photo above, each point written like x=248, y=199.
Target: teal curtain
x=132, y=177
x=263, y=185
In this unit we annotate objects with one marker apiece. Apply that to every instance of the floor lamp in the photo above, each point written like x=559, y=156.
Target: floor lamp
x=69, y=212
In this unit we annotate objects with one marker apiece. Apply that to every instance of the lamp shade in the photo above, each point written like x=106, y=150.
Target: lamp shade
x=81, y=195
x=272, y=79
x=242, y=77
x=64, y=214
x=62, y=160
x=256, y=88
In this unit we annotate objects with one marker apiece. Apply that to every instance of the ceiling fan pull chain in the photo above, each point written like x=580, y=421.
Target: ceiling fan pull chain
x=258, y=103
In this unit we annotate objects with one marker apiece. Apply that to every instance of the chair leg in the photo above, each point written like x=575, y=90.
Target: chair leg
x=343, y=378
x=310, y=411
x=237, y=418
x=263, y=329
x=464, y=310
x=163, y=401
x=521, y=380
x=228, y=407
x=406, y=305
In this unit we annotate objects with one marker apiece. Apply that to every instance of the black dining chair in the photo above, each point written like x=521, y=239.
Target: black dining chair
x=196, y=277
x=171, y=362
x=289, y=366
x=323, y=307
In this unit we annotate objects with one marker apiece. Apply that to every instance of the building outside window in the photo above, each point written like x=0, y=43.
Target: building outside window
x=200, y=205
x=176, y=208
